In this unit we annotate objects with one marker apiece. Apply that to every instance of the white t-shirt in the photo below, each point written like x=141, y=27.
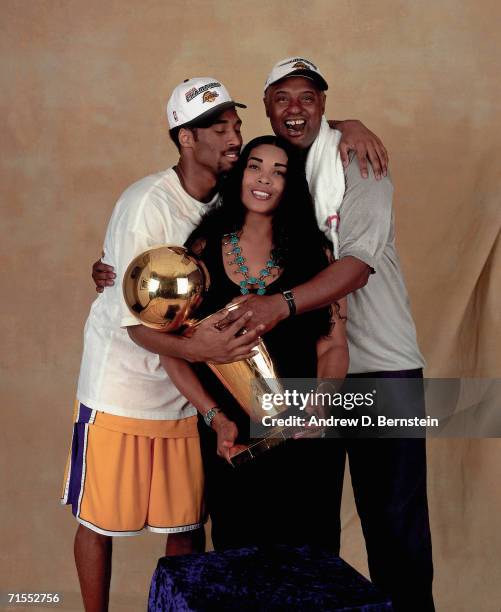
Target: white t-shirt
x=116, y=375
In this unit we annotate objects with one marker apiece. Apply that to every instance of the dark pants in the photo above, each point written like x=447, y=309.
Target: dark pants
x=292, y=495
x=277, y=498
x=389, y=484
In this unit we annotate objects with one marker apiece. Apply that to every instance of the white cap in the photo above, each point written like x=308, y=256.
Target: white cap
x=198, y=99
x=296, y=66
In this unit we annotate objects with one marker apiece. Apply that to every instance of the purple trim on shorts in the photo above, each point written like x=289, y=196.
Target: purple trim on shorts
x=77, y=450
x=77, y=457
x=84, y=414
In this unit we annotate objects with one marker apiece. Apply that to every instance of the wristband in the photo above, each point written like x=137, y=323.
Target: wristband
x=289, y=298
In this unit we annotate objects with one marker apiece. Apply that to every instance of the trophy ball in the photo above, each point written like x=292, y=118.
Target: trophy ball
x=163, y=287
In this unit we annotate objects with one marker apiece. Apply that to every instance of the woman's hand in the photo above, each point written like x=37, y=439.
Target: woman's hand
x=227, y=433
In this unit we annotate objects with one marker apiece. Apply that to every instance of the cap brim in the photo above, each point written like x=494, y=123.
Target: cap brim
x=211, y=113
x=307, y=74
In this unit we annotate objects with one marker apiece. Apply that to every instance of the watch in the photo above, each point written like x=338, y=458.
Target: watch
x=289, y=298
x=210, y=414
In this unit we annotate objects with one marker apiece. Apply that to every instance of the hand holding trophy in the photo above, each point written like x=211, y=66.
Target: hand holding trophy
x=163, y=287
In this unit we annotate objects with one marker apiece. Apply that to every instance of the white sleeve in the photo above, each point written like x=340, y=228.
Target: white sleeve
x=140, y=225
x=142, y=219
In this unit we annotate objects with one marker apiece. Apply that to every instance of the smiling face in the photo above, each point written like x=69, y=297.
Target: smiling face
x=217, y=147
x=263, y=181
x=295, y=107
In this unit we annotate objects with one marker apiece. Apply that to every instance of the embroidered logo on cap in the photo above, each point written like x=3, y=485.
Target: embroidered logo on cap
x=301, y=66
x=174, y=114
x=194, y=92
x=209, y=96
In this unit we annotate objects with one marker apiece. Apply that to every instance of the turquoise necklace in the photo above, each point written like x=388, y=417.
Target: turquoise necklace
x=250, y=282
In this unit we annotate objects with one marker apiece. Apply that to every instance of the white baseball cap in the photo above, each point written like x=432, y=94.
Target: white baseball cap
x=296, y=66
x=198, y=99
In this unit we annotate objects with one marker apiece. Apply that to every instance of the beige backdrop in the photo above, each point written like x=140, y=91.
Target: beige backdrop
x=84, y=83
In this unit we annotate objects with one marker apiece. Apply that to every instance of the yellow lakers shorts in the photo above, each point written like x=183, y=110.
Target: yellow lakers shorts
x=124, y=475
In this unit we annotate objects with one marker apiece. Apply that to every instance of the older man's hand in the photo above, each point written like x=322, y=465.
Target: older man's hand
x=267, y=311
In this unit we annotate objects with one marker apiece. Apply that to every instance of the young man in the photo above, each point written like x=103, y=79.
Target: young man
x=389, y=476
x=135, y=461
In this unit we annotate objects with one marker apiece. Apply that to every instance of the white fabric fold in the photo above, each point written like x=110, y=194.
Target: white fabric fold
x=325, y=176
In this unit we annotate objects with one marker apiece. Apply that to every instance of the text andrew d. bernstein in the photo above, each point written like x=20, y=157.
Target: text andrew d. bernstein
x=363, y=421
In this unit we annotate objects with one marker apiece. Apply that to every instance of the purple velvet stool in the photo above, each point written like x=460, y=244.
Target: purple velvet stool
x=262, y=578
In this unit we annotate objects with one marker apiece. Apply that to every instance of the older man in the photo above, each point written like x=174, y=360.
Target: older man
x=389, y=476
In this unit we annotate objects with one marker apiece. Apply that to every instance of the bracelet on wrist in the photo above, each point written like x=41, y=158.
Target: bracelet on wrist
x=210, y=414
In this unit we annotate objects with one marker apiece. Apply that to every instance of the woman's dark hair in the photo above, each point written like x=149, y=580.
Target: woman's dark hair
x=297, y=240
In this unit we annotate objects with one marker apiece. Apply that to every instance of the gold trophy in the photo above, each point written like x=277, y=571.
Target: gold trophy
x=163, y=287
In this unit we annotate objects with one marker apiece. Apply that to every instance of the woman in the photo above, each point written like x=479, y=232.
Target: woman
x=264, y=238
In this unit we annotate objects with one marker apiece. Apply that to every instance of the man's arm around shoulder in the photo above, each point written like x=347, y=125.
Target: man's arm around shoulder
x=365, y=223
